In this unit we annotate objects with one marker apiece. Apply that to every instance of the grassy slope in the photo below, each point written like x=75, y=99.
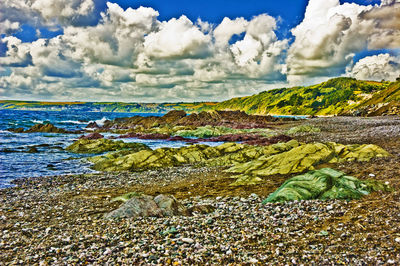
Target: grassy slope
x=334, y=96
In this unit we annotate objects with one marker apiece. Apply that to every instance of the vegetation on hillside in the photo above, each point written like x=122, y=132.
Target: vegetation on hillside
x=334, y=96
x=107, y=106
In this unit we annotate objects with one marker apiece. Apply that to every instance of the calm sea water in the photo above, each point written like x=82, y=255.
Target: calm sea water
x=51, y=159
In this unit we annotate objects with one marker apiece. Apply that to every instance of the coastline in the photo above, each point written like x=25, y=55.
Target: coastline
x=59, y=220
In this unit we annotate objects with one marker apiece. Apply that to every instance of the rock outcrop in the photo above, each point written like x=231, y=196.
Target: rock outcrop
x=104, y=145
x=324, y=184
x=305, y=157
x=43, y=128
x=233, y=119
x=249, y=163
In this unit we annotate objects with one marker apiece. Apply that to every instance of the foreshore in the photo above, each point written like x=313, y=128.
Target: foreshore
x=60, y=219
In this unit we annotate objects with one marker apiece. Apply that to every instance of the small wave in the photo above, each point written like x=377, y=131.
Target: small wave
x=37, y=121
x=74, y=122
x=100, y=122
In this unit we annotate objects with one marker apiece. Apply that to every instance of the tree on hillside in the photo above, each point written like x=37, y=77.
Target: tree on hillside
x=398, y=78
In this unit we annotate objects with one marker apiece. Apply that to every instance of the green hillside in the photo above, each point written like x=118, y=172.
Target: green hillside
x=106, y=106
x=335, y=96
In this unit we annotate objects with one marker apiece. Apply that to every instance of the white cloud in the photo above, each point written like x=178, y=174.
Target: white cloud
x=48, y=13
x=377, y=67
x=329, y=33
x=177, y=38
x=227, y=28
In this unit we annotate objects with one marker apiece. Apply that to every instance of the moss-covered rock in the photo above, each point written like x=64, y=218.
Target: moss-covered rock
x=305, y=157
x=295, y=160
x=103, y=145
x=324, y=184
x=249, y=162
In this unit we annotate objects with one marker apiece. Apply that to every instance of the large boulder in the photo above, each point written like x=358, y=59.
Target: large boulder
x=324, y=184
x=140, y=206
x=136, y=205
x=170, y=206
x=103, y=145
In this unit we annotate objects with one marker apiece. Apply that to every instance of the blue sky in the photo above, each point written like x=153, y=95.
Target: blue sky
x=152, y=51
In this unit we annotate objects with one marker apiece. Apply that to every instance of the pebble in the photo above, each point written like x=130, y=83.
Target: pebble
x=188, y=240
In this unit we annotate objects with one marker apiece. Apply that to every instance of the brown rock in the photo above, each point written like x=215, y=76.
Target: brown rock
x=92, y=136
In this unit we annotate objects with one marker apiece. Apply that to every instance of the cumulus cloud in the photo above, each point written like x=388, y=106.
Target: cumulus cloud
x=377, y=67
x=386, y=22
x=224, y=31
x=331, y=33
x=47, y=13
x=177, y=38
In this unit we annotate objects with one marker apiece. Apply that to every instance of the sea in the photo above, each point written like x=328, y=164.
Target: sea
x=52, y=158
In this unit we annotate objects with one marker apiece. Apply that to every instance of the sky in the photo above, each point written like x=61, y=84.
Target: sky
x=184, y=51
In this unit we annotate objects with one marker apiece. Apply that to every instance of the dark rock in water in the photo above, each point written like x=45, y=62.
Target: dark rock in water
x=48, y=128
x=154, y=136
x=92, y=125
x=140, y=206
x=16, y=130
x=129, y=135
x=32, y=150
x=137, y=205
x=324, y=184
x=144, y=136
x=232, y=119
x=92, y=136
x=7, y=150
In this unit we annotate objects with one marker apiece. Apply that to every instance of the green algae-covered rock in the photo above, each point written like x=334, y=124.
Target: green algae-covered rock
x=103, y=145
x=303, y=129
x=297, y=159
x=324, y=184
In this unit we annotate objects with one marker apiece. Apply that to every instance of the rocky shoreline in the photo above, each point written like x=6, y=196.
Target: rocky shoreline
x=60, y=219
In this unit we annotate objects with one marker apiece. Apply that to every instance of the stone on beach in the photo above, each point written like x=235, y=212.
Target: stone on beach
x=160, y=206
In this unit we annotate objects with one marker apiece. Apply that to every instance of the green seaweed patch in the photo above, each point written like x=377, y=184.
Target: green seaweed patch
x=325, y=184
